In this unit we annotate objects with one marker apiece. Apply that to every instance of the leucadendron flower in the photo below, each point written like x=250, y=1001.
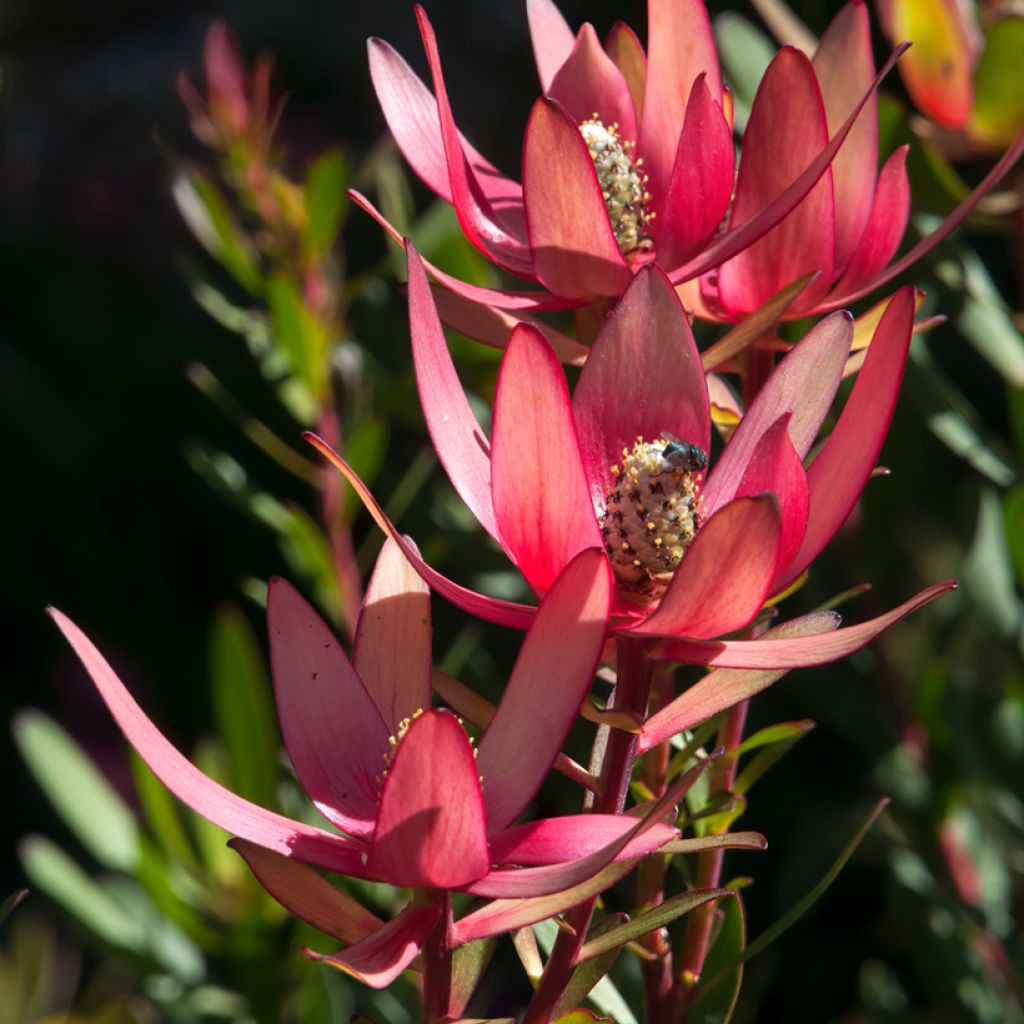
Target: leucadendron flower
x=628, y=158
x=696, y=547
x=410, y=800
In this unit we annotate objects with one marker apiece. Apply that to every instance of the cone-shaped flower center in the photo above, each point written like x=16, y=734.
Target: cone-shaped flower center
x=651, y=511
x=622, y=184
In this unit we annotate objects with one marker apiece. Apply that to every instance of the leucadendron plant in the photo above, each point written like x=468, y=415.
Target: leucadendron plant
x=661, y=507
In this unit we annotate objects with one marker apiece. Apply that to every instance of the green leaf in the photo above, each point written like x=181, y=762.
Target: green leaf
x=718, y=1005
x=162, y=814
x=165, y=942
x=222, y=863
x=657, y=917
x=587, y=975
x=243, y=709
x=8, y=906
x=791, y=916
x=80, y=794
x=580, y=1017
x=205, y=211
x=988, y=572
x=604, y=995
x=1015, y=404
x=298, y=332
x=984, y=318
x=308, y=552
x=53, y=872
x=325, y=201
x=952, y=418
x=365, y=449
x=772, y=734
x=771, y=751
x=745, y=52
x=998, y=98
x=468, y=963
x=1013, y=515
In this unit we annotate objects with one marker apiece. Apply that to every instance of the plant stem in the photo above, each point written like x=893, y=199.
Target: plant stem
x=709, y=869
x=437, y=958
x=659, y=996
x=632, y=687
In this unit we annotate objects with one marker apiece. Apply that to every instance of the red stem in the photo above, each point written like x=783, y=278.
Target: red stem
x=437, y=958
x=633, y=685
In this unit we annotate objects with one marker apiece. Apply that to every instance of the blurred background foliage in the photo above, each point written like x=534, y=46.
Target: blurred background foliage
x=153, y=384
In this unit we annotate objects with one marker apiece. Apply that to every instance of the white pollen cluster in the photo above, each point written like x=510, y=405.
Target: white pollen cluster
x=651, y=511
x=622, y=184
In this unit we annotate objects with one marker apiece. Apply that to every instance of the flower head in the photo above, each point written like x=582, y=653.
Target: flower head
x=412, y=800
x=628, y=158
x=697, y=545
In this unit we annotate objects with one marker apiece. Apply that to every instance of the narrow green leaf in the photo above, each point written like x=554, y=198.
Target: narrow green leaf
x=298, y=333
x=657, y=917
x=54, y=873
x=468, y=964
x=243, y=709
x=718, y=1005
x=206, y=212
x=580, y=1017
x=587, y=975
x=1013, y=515
x=80, y=794
x=162, y=814
x=768, y=756
x=745, y=52
x=988, y=570
x=164, y=942
x=365, y=448
x=604, y=995
x=725, y=841
x=1015, y=403
x=221, y=862
x=984, y=318
x=689, y=743
x=772, y=734
x=952, y=418
x=309, y=554
x=524, y=941
x=791, y=916
x=325, y=201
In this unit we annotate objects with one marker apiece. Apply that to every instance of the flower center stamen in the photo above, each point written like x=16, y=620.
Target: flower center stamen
x=622, y=184
x=651, y=512
x=396, y=738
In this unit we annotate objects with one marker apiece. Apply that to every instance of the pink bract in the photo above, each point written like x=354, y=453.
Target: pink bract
x=400, y=782
x=808, y=197
x=538, y=484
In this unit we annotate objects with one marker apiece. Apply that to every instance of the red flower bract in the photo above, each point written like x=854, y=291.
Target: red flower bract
x=401, y=781
x=628, y=157
x=541, y=485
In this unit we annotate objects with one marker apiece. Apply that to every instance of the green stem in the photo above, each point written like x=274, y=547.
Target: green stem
x=437, y=957
x=709, y=870
x=633, y=685
x=650, y=878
